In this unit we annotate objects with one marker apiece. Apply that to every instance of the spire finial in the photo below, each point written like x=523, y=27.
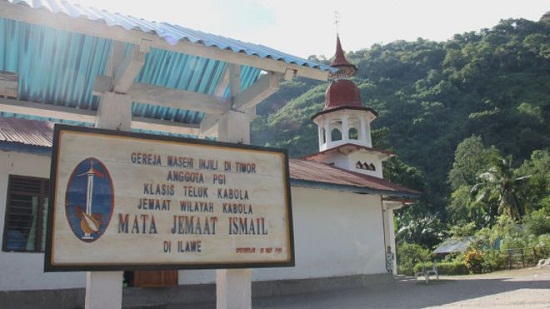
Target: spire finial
x=337, y=21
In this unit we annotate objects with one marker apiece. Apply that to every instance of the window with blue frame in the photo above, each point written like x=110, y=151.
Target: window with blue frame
x=26, y=214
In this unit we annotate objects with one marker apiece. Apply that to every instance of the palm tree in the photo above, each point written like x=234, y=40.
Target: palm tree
x=500, y=185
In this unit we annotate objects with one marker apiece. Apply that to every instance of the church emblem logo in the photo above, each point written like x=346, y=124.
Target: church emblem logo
x=89, y=200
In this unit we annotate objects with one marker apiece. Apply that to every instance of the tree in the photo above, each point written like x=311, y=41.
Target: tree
x=425, y=231
x=471, y=157
x=464, y=208
x=489, y=86
x=502, y=185
x=409, y=255
x=538, y=190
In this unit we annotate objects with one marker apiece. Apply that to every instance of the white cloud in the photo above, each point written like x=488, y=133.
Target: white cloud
x=306, y=27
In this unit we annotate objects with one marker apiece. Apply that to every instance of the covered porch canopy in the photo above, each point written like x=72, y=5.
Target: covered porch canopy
x=59, y=62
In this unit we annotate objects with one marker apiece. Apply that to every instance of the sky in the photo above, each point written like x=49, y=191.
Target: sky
x=307, y=27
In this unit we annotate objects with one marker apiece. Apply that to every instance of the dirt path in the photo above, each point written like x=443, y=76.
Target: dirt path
x=523, y=288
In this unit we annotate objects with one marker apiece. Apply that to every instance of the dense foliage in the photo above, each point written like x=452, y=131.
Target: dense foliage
x=462, y=115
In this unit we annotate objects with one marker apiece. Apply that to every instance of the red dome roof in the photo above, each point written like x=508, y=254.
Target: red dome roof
x=342, y=93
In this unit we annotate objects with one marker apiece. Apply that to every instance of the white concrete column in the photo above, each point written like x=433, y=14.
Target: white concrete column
x=328, y=136
x=391, y=227
x=387, y=240
x=234, y=127
x=104, y=289
x=362, y=131
x=234, y=289
x=388, y=208
x=321, y=136
x=234, y=286
x=367, y=134
x=345, y=128
x=114, y=112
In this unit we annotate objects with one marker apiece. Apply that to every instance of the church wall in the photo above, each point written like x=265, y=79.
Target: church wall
x=369, y=159
x=349, y=162
x=341, y=161
x=335, y=233
x=25, y=270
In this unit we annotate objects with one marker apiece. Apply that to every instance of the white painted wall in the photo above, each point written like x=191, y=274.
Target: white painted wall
x=348, y=161
x=365, y=156
x=25, y=271
x=335, y=234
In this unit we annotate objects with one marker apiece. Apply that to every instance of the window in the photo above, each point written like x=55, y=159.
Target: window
x=26, y=214
x=336, y=135
x=353, y=133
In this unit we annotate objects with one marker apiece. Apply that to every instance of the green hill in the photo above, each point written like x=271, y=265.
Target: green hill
x=430, y=96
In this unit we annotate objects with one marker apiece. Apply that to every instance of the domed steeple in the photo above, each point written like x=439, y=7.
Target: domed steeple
x=342, y=92
x=344, y=119
x=344, y=124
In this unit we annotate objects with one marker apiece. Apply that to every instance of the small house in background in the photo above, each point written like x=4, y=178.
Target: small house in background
x=65, y=62
x=453, y=246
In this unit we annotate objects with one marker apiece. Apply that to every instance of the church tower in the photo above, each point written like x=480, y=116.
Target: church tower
x=344, y=124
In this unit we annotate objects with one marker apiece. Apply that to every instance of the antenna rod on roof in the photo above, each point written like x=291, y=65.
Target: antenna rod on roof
x=337, y=20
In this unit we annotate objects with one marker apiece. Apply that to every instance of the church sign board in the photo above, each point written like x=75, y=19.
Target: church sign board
x=128, y=201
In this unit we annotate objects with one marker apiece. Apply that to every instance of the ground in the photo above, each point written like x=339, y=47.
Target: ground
x=522, y=288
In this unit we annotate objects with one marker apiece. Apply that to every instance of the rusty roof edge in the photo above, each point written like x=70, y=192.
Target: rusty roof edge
x=25, y=148
x=353, y=189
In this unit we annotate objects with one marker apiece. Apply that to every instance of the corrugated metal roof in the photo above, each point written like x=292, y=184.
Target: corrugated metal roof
x=26, y=132
x=170, y=32
x=454, y=245
x=13, y=147
x=59, y=67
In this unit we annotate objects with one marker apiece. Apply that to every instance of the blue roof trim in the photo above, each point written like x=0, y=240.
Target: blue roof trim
x=54, y=120
x=164, y=133
x=171, y=33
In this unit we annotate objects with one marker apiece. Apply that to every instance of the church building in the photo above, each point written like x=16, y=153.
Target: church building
x=342, y=207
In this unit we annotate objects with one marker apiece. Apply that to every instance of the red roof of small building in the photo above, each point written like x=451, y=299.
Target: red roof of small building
x=26, y=132
x=342, y=92
x=317, y=172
